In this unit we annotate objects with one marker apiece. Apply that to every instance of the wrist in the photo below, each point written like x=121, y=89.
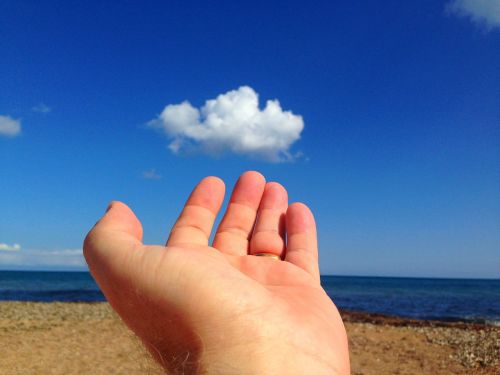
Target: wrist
x=272, y=347
x=275, y=359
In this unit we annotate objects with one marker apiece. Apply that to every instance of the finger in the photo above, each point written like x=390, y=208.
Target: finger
x=116, y=234
x=302, y=244
x=237, y=224
x=269, y=232
x=196, y=220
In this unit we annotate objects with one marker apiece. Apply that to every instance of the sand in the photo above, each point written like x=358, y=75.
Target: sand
x=88, y=338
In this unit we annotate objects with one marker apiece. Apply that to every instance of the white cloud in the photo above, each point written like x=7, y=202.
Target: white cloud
x=232, y=122
x=6, y=247
x=9, y=127
x=151, y=174
x=41, y=108
x=43, y=259
x=482, y=12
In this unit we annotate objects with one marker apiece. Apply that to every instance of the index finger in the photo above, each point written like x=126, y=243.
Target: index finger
x=196, y=220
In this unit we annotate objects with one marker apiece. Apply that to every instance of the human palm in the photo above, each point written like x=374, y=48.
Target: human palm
x=221, y=309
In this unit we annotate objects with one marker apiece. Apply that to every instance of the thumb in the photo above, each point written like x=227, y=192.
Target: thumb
x=120, y=218
x=115, y=234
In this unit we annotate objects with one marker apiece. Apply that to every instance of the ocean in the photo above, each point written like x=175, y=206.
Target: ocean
x=418, y=298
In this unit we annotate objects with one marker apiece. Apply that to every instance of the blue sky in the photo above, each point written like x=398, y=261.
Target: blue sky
x=400, y=103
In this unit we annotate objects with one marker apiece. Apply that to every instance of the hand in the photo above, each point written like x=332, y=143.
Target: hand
x=220, y=309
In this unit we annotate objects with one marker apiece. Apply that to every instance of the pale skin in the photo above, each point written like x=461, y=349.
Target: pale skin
x=219, y=309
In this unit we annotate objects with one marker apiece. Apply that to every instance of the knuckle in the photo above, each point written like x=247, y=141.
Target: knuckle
x=89, y=243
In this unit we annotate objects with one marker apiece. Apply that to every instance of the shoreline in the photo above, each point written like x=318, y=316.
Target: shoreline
x=89, y=338
x=354, y=316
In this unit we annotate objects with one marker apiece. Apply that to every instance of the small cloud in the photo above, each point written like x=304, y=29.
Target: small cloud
x=485, y=13
x=151, y=174
x=9, y=127
x=14, y=247
x=41, y=108
x=232, y=122
x=43, y=259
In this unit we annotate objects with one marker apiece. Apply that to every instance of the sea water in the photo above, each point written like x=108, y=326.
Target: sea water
x=419, y=298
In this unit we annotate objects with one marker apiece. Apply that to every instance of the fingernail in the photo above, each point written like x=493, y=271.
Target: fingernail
x=109, y=206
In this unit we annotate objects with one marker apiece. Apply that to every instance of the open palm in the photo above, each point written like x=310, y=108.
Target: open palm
x=221, y=309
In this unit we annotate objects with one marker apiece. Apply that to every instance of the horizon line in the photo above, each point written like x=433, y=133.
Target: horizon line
x=321, y=275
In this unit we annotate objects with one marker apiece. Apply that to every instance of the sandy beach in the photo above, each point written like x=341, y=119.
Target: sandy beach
x=88, y=338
